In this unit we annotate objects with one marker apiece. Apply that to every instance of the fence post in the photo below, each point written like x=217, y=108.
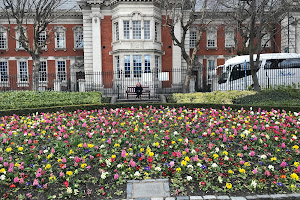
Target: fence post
x=192, y=84
x=81, y=83
x=57, y=85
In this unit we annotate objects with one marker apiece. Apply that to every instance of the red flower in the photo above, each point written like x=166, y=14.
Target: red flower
x=66, y=183
x=103, y=164
x=98, y=155
x=203, y=183
x=150, y=159
x=164, y=174
x=12, y=186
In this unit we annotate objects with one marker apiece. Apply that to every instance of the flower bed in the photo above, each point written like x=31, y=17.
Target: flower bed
x=85, y=154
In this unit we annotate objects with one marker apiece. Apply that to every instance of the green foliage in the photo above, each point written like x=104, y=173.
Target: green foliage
x=30, y=99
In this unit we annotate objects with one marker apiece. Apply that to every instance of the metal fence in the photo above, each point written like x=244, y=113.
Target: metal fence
x=110, y=83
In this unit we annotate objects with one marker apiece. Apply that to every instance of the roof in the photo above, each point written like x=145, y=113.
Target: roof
x=239, y=59
x=67, y=5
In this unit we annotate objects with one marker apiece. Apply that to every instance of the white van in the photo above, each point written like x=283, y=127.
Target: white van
x=274, y=69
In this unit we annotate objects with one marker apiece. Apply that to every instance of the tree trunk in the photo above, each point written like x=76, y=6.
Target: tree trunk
x=186, y=86
x=35, y=72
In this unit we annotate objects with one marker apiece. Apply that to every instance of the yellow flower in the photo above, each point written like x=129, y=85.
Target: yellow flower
x=173, y=142
x=178, y=169
x=20, y=148
x=273, y=159
x=8, y=149
x=215, y=156
x=71, y=151
x=180, y=140
x=48, y=166
x=52, y=178
x=80, y=145
x=183, y=163
x=59, y=160
x=296, y=164
x=295, y=176
x=141, y=150
x=230, y=171
x=17, y=165
x=113, y=156
x=247, y=164
x=296, y=147
x=116, y=145
x=225, y=153
x=69, y=173
x=90, y=145
x=229, y=185
x=2, y=170
x=184, y=152
x=187, y=158
x=83, y=165
x=151, y=154
x=242, y=171
x=156, y=144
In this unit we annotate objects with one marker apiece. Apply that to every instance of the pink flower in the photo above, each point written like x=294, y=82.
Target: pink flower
x=61, y=174
x=245, y=147
x=267, y=173
x=123, y=154
x=172, y=163
x=210, y=145
x=63, y=160
x=132, y=163
x=298, y=169
x=35, y=182
x=88, y=167
x=178, y=154
x=52, y=150
x=252, y=153
x=254, y=171
x=283, y=145
x=16, y=179
x=283, y=164
x=45, y=186
x=116, y=176
x=242, y=162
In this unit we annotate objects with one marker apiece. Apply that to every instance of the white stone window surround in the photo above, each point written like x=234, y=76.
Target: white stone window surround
x=212, y=38
x=229, y=37
x=78, y=38
x=19, y=45
x=60, y=38
x=42, y=37
x=116, y=31
x=43, y=72
x=157, y=31
x=23, y=74
x=3, y=38
x=193, y=37
x=4, y=72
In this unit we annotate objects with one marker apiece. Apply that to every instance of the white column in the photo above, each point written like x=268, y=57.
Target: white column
x=97, y=53
x=176, y=58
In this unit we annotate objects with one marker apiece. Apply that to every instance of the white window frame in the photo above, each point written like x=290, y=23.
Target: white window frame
x=211, y=38
x=22, y=83
x=127, y=66
x=156, y=31
x=136, y=29
x=117, y=67
x=137, y=66
x=4, y=73
x=229, y=38
x=266, y=40
x=147, y=63
x=57, y=70
x=157, y=61
x=4, y=41
x=46, y=72
x=126, y=29
x=116, y=31
x=41, y=40
x=147, y=29
x=78, y=37
x=60, y=38
x=193, y=38
x=210, y=70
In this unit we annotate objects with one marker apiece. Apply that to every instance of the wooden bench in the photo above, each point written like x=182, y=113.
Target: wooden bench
x=131, y=91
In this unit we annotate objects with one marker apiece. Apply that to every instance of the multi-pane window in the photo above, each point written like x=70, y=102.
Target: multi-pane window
x=116, y=31
x=137, y=66
x=61, y=70
x=136, y=30
x=265, y=40
x=78, y=37
x=157, y=60
x=193, y=38
x=147, y=59
x=3, y=38
x=212, y=38
x=3, y=71
x=117, y=62
x=127, y=66
x=23, y=71
x=126, y=30
x=43, y=71
x=60, y=37
x=18, y=42
x=156, y=29
x=42, y=39
x=147, y=30
x=210, y=70
x=229, y=38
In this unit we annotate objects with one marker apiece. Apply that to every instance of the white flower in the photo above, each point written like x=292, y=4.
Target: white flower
x=103, y=175
x=102, y=146
x=189, y=178
x=199, y=164
x=214, y=165
x=271, y=167
x=108, y=162
x=2, y=177
x=263, y=156
x=217, y=149
x=46, y=151
x=226, y=158
x=69, y=190
x=190, y=167
x=157, y=169
x=119, y=165
x=253, y=183
x=137, y=174
x=220, y=179
x=296, y=114
x=175, y=133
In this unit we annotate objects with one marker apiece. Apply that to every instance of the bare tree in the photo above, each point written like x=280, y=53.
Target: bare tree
x=38, y=13
x=256, y=20
x=188, y=14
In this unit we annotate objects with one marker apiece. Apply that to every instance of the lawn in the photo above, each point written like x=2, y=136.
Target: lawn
x=84, y=154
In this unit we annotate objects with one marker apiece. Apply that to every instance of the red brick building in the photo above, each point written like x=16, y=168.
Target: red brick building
x=113, y=44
